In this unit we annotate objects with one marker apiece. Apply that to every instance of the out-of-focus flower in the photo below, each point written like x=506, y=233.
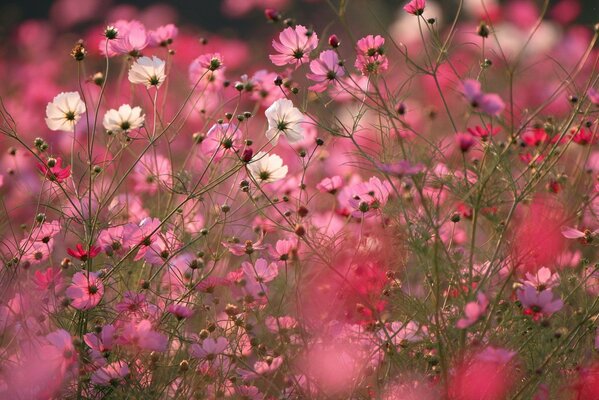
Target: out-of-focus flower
x=261, y=270
x=371, y=58
x=473, y=311
x=112, y=374
x=484, y=133
x=593, y=95
x=294, y=46
x=284, y=119
x=163, y=35
x=141, y=336
x=267, y=168
x=148, y=71
x=209, y=348
x=86, y=291
x=63, y=113
x=325, y=70
x=131, y=38
x=489, y=103
x=330, y=185
x=125, y=119
x=415, y=7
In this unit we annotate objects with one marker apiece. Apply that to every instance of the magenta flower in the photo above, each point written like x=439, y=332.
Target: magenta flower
x=473, y=311
x=464, y=141
x=325, y=70
x=82, y=254
x=54, y=171
x=489, y=103
x=294, y=46
x=484, y=132
x=86, y=291
x=221, y=138
x=415, y=7
x=538, y=303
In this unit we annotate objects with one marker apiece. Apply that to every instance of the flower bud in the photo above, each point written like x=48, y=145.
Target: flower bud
x=334, y=41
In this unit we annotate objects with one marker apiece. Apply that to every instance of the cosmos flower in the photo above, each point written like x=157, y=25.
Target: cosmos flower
x=325, y=70
x=86, y=291
x=294, y=46
x=284, y=119
x=415, y=7
x=125, y=119
x=63, y=113
x=266, y=168
x=148, y=71
x=489, y=103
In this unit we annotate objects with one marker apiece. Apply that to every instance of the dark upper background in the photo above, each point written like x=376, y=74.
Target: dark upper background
x=207, y=14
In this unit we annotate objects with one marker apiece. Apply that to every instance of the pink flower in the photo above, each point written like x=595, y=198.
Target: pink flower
x=36, y=252
x=538, y=303
x=593, y=95
x=371, y=55
x=180, y=311
x=415, y=7
x=325, y=70
x=101, y=342
x=163, y=35
x=473, y=311
x=262, y=368
x=484, y=132
x=82, y=254
x=53, y=170
x=401, y=168
x=207, y=72
x=112, y=374
x=294, y=46
x=86, y=291
x=131, y=39
x=585, y=236
x=50, y=279
x=141, y=335
x=261, y=271
x=283, y=249
x=488, y=103
x=464, y=141
x=209, y=348
x=534, y=137
x=330, y=185
x=220, y=139
x=543, y=279
x=46, y=231
x=280, y=324
x=365, y=199
x=119, y=239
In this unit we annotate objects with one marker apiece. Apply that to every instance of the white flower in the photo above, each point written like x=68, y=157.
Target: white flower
x=148, y=71
x=64, y=111
x=124, y=119
x=284, y=119
x=267, y=168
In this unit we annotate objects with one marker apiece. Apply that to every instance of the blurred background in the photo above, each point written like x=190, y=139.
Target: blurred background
x=233, y=17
